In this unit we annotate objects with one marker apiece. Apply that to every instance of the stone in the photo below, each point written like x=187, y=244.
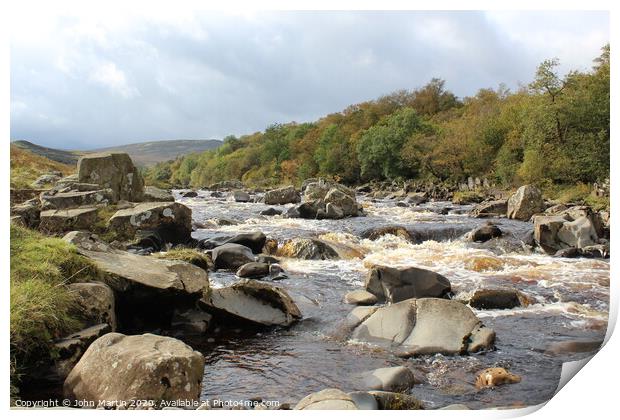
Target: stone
x=95, y=303
x=239, y=196
x=255, y=302
x=395, y=285
x=595, y=251
x=360, y=297
x=525, y=203
x=398, y=231
x=71, y=348
x=493, y=377
x=72, y=199
x=554, y=233
x=497, y=299
x=170, y=221
x=190, y=322
x=317, y=195
x=364, y=400
x=283, y=195
x=416, y=198
x=425, y=326
x=59, y=221
x=327, y=399
x=308, y=249
x=455, y=407
x=122, y=368
x=29, y=212
x=393, y=379
x=494, y=208
x=396, y=401
x=226, y=185
x=271, y=212
x=253, y=240
x=189, y=194
x=571, y=347
x=153, y=194
x=484, y=233
x=231, y=256
x=253, y=270
x=578, y=233
x=45, y=179
x=115, y=171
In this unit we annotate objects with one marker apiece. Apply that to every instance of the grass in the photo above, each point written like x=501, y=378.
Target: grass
x=579, y=194
x=188, y=255
x=40, y=304
x=26, y=167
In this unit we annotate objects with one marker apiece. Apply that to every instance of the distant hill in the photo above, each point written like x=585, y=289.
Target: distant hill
x=27, y=166
x=143, y=154
x=149, y=153
x=58, y=155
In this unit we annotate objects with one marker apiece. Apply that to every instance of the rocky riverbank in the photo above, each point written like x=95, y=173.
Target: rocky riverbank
x=422, y=290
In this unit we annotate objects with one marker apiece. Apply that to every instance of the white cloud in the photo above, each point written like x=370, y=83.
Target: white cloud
x=108, y=75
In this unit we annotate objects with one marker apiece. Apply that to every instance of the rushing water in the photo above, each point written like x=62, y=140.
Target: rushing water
x=570, y=303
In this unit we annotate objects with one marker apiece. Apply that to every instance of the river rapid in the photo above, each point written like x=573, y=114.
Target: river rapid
x=570, y=302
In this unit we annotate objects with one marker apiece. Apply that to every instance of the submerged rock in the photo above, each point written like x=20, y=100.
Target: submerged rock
x=257, y=302
x=395, y=379
x=121, y=368
x=425, y=326
x=493, y=377
x=115, y=171
x=283, y=195
x=271, y=212
x=395, y=285
x=525, y=203
x=399, y=231
x=497, y=299
x=484, y=233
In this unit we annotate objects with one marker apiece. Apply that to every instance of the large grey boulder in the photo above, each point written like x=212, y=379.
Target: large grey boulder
x=157, y=194
x=395, y=379
x=283, y=195
x=171, y=221
x=255, y=302
x=495, y=208
x=425, y=326
x=58, y=221
x=253, y=270
x=395, y=285
x=327, y=200
x=119, y=368
x=239, y=196
x=525, y=203
x=95, y=303
x=115, y=171
x=70, y=199
x=231, y=256
x=124, y=271
x=399, y=231
x=253, y=240
x=555, y=233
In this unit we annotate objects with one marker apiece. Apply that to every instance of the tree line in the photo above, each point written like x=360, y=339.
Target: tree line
x=554, y=131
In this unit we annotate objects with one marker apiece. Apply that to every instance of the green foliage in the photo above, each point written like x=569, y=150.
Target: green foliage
x=553, y=132
x=189, y=255
x=40, y=304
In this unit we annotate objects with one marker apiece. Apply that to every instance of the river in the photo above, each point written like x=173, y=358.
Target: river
x=570, y=303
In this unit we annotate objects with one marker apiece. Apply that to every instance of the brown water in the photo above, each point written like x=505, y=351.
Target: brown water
x=571, y=303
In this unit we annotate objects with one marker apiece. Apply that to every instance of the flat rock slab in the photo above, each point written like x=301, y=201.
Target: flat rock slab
x=425, y=326
x=173, y=221
x=58, y=221
x=74, y=199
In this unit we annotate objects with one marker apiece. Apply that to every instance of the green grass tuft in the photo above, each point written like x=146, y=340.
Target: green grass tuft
x=188, y=255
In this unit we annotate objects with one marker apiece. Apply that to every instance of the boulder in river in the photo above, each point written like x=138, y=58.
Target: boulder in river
x=360, y=297
x=484, y=233
x=119, y=369
x=115, y=171
x=399, y=231
x=255, y=302
x=59, y=221
x=494, y=208
x=231, y=256
x=395, y=379
x=239, y=196
x=283, y=195
x=317, y=249
x=395, y=285
x=172, y=222
x=425, y=326
x=317, y=197
x=253, y=270
x=271, y=212
x=497, y=299
x=554, y=233
x=254, y=240
x=327, y=399
x=152, y=194
x=525, y=203
x=493, y=377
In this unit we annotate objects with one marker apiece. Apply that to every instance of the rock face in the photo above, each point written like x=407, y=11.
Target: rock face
x=231, y=256
x=157, y=194
x=282, y=196
x=396, y=379
x=117, y=367
x=494, y=208
x=257, y=302
x=172, y=222
x=526, y=202
x=148, y=289
x=71, y=348
x=327, y=399
x=115, y=171
x=425, y=326
x=58, y=221
x=326, y=200
x=395, y=285
x=492, y=377
x=554, y=233
x=95, y=302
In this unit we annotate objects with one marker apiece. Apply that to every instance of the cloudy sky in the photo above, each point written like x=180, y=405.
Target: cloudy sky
x=87, y=82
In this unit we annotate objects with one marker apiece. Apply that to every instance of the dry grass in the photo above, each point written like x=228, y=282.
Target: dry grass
x=26, y=167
